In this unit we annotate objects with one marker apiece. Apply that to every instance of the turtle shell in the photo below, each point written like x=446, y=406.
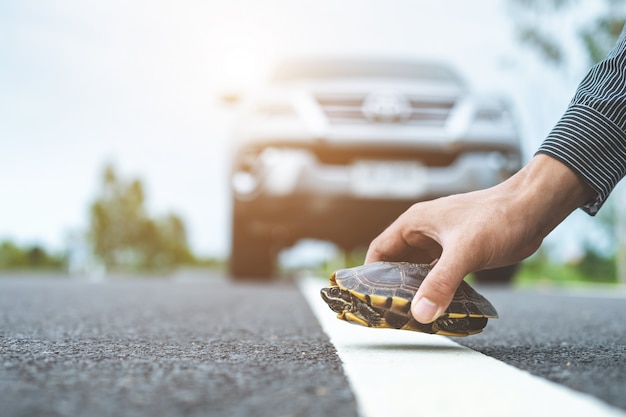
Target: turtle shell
x=382, y=293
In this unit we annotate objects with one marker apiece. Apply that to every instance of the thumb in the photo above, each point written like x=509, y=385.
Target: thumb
x=438, y=288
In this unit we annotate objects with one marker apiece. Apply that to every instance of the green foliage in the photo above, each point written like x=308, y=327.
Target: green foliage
x=591, y=268
x=539, y=24
x=125, y=237
x=599, y=36
x=547, y=47
x=597, y=268
x=31, y=257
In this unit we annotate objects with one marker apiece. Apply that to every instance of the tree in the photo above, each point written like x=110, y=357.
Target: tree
x=595, y=29
x=31, y=257
x=124, y=236
x=540, y=23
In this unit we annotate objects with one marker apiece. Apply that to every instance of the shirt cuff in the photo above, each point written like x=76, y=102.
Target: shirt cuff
x=593, y=147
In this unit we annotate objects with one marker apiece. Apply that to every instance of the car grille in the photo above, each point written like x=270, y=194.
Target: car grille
x=423, y=111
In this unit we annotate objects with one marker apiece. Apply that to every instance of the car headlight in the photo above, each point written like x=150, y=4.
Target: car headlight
x=244, y=183
x=493, y=110
x=275, y=171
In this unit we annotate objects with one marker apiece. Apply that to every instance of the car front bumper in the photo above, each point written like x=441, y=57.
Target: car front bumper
x=280, y=173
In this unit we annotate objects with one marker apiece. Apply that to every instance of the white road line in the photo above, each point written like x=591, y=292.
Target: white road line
x=398, y=373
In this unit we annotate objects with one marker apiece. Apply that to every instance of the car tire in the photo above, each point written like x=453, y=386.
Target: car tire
x=251, y=257
x=502, y=275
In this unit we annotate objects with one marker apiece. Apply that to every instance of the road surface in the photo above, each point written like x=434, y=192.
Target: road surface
x=201, y=345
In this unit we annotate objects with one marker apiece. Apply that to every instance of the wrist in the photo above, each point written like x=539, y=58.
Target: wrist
x=547, y=191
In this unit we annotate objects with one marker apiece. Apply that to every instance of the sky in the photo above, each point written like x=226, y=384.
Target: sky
x=136, y=83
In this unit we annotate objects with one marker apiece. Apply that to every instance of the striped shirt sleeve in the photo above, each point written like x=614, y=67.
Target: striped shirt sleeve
x=590, y=138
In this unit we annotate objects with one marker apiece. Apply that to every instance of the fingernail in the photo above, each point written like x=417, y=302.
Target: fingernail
x=425, y=311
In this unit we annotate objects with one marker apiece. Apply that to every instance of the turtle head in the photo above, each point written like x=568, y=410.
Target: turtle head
x=337, y=299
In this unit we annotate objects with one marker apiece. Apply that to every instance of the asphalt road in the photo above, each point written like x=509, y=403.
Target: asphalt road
x=187, y=347
x=164, y=348
x=575, y=338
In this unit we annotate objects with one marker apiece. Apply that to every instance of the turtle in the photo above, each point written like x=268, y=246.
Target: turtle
x=379, y=295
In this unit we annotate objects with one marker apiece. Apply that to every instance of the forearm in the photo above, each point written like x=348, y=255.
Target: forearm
x=544, y=193
x=590, y=138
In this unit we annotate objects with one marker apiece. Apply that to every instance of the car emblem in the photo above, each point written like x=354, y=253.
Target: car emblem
x=386, y=107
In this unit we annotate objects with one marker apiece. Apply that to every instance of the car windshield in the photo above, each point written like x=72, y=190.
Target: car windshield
x=315, y=69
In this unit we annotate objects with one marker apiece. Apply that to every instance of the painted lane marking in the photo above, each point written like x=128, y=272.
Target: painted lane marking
x=399, y=373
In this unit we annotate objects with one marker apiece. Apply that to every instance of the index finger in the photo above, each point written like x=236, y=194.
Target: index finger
x=394, y=245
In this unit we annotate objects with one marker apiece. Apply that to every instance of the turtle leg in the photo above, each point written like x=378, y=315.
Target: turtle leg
x=395, y=320
x=416, y=326
x=371, y=316
x=459, y=326
x=362, y=314
x=350, y=317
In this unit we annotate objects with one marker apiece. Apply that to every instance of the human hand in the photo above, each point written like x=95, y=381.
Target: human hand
x=479, y=230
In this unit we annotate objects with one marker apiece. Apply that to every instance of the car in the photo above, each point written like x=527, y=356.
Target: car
x=336, y=148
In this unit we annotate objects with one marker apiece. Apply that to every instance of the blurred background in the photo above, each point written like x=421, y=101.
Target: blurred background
x=114, y=131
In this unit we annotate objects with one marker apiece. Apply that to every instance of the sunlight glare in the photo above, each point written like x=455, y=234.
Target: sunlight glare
x=241, y=52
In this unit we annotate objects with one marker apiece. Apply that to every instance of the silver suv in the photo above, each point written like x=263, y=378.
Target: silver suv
x=336, y=149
